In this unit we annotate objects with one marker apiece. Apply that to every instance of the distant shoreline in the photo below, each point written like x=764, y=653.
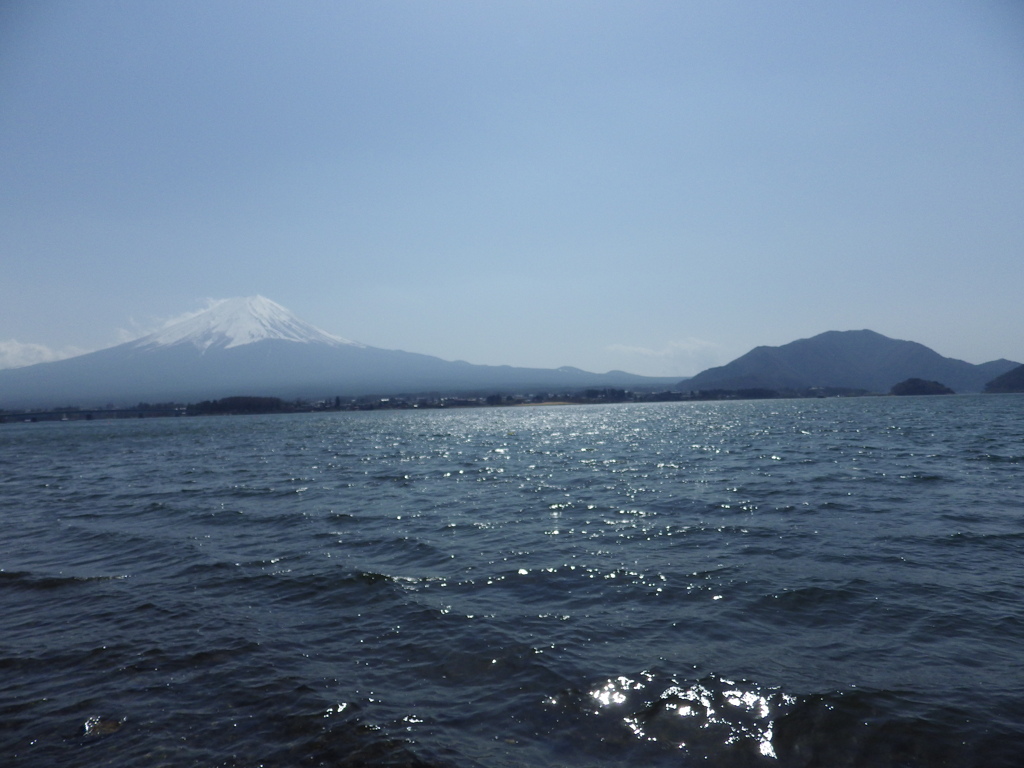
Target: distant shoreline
x=382, y=404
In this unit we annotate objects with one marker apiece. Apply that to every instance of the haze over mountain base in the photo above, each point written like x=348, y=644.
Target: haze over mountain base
x=253, y=346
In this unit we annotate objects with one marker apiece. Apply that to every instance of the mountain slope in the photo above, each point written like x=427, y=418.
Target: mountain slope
x=1010, y=381
x=256, y=347
x=846, y=359
x=236, y=322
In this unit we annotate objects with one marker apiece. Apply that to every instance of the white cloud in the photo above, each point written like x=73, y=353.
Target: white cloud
x=690, y=354
x=14, y=354
x=137, y=329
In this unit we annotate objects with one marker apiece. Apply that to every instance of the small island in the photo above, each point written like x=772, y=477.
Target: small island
x=920, y=387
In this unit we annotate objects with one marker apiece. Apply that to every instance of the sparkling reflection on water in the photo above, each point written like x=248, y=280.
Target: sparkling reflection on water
x=683, y=716
x=773, y=583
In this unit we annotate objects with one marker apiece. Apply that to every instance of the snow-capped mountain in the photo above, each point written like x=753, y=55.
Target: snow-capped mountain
x=253, y=346
x=234, y=322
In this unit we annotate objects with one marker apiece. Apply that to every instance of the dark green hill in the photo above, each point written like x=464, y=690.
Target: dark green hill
x=851, y=360
x=1011, y=381
x=921, y=387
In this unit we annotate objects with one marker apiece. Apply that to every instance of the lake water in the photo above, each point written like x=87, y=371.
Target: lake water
x=776, y=583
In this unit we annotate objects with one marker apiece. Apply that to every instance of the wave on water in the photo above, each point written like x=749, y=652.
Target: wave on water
x=797, y=584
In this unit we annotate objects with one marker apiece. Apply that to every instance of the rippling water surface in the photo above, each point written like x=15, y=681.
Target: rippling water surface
x=787, y=583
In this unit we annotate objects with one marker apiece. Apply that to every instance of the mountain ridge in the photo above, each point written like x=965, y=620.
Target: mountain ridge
x=253, y=346
x=855, y=360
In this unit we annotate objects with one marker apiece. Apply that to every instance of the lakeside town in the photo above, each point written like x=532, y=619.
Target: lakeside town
x=239, y=405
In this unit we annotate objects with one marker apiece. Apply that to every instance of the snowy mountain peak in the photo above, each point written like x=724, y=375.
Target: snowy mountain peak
x=235, y=322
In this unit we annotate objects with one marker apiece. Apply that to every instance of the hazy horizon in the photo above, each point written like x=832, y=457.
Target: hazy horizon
x=655, y=188
x=13, y=355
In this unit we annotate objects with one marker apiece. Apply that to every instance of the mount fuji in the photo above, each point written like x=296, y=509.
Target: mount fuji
x=254, y=346
x=236, y=322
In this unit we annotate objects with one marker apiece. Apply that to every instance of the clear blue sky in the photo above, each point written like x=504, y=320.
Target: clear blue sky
x=651, y=186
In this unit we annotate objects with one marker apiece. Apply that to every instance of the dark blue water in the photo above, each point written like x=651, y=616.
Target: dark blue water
x=788, y=583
